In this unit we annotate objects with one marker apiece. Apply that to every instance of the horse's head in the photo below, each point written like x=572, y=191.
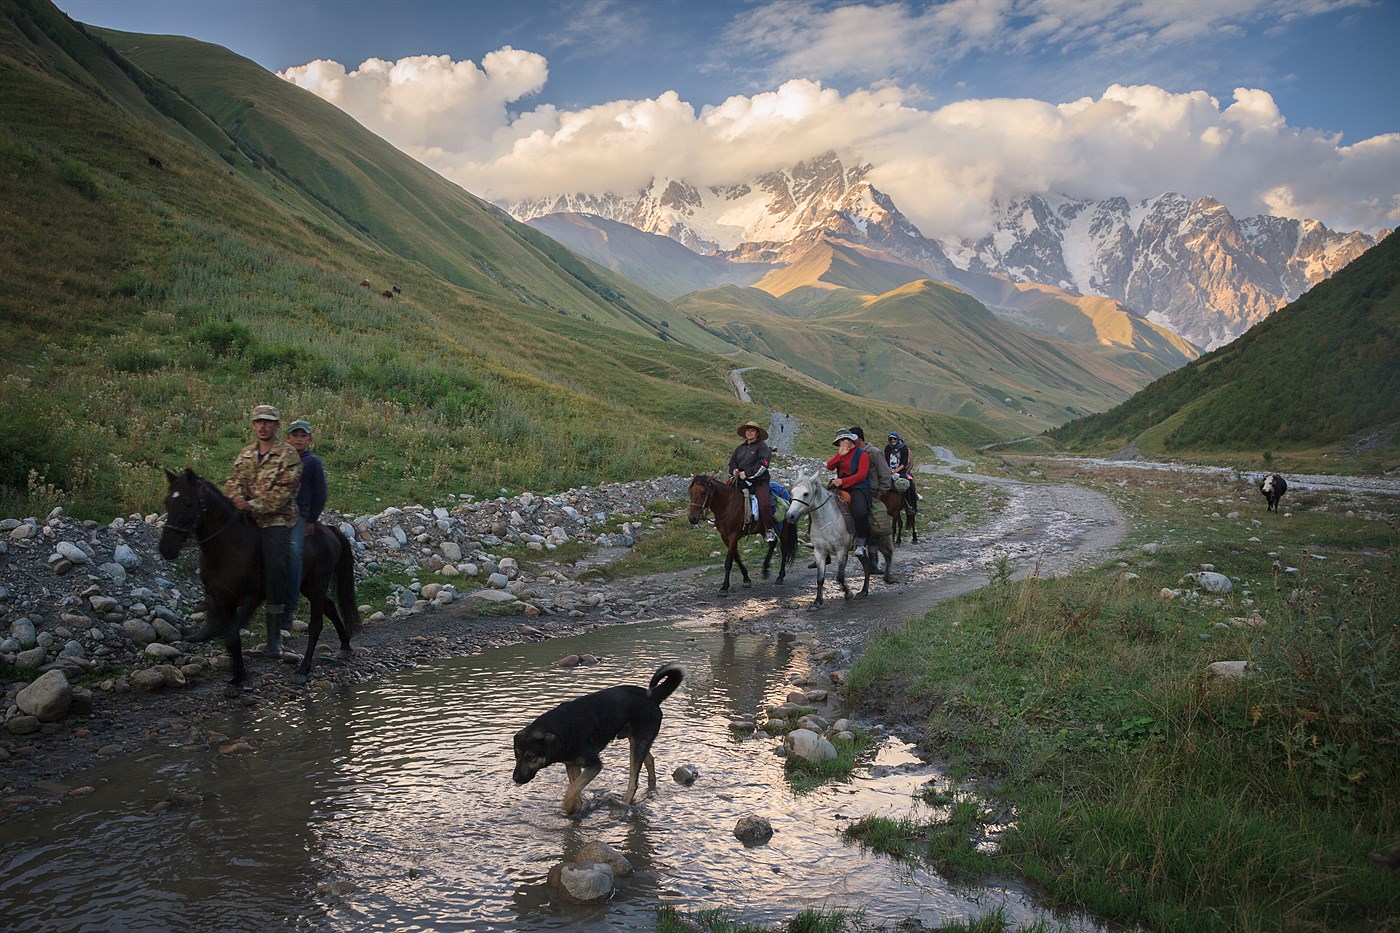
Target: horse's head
x=807, y=494
x=700, y=490
x=184, y=505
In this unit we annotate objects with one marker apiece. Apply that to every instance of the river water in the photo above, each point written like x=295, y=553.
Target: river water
x=389, y=806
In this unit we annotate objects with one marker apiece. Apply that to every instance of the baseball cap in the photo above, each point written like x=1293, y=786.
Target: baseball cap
x=299, y=425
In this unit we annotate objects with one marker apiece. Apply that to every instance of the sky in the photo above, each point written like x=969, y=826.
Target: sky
x=1286, y=107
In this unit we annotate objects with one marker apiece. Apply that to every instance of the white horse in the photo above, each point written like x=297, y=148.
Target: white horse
x=830, y=535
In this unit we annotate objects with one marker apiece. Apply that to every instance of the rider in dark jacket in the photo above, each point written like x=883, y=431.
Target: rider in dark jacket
x=749, y=467
x=901, y=463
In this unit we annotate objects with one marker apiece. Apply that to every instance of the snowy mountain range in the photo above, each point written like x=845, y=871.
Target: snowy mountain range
x=1187, y=265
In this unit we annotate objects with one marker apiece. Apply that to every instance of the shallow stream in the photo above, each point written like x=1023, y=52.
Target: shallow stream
x=389, y=806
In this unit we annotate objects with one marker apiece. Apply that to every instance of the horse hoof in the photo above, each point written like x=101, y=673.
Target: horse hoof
x=345, y=654
x=746, y=584
x=233, y=691
x=299, y=678
x=889, y=578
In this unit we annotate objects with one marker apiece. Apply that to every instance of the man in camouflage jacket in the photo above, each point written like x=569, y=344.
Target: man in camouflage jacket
x=264, y=483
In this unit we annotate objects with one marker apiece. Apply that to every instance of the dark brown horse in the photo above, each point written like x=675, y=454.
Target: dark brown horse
x=726, y=503
x=902, y=512
x=231, y=568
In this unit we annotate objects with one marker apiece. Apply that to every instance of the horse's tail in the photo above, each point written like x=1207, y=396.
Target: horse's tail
x=345, y=581
x=664, y=682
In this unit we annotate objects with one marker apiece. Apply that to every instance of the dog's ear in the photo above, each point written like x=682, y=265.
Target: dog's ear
x=541, y=735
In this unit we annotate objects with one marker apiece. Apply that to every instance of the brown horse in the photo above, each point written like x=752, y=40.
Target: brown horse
x=902, y=513
x=231, y=569
x=727, y=504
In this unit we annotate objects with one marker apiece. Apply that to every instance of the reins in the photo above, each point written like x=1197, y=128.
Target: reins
x=192, y=532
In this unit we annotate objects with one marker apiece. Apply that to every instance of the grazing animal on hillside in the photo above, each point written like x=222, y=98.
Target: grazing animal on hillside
x=231, y=568
x=153, y=162
x=387, y=294
x=1273, y=487
x=575, y=731
x=364, y=283
x=395, y=290
x=727, y=504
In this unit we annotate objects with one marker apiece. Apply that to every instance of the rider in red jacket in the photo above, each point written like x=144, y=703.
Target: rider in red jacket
x=852, y=466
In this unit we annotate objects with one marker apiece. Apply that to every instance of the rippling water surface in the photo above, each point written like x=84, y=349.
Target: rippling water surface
x=389, y=806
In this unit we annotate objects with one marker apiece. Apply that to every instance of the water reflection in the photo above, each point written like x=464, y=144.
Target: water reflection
x=389, y=806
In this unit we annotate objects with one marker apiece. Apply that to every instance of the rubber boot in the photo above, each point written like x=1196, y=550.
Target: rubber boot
x=274, y=634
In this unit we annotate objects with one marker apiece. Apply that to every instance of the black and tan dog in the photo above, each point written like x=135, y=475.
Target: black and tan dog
x=575, y=731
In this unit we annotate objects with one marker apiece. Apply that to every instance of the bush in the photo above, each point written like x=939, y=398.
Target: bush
x=224, y=338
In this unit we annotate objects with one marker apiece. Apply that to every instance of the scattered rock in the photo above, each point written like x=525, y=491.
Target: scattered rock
x=753, y=830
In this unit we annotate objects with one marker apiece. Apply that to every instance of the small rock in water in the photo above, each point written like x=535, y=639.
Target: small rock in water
x=753, y=830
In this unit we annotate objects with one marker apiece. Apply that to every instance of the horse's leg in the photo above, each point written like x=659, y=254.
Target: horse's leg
x=738, y=559
x=841, y=573
x=821, y=578
x=913, y=513
x=768, y=557
x=729, y=555
x=318, y=607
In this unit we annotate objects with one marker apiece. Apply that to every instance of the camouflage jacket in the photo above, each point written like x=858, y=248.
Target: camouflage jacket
x=270, y=483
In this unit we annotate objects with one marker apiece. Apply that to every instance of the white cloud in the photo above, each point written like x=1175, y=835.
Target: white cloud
x=940, y=165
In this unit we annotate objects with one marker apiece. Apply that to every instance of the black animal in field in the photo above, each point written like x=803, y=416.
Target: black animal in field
x=1273, y=487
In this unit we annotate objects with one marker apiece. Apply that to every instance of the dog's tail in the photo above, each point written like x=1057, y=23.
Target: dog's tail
x=664, y=682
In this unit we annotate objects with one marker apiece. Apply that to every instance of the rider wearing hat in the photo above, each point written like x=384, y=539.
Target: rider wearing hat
x=852, y=466
x=749, y=467
x=264, y=483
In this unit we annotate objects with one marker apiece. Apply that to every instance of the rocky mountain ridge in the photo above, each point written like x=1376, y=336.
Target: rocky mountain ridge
x=1186, y=264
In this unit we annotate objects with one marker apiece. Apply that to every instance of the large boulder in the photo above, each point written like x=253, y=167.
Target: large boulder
x=47, y=698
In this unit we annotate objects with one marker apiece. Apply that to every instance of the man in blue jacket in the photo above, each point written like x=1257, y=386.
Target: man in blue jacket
x=311, y=500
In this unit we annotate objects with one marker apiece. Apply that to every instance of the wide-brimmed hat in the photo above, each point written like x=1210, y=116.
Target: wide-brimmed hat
x=845, y=436
x=266, y=413
x=762, y=434
x=299, y=425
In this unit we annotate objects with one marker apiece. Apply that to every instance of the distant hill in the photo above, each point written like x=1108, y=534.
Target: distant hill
x=854, y=318
x=186, y=235
x=1325, y=370
x=657, y=263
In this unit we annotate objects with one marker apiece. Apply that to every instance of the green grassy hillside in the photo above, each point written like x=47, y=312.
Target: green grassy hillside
x=147, y=307
x=924, y=344
x=1322, y=372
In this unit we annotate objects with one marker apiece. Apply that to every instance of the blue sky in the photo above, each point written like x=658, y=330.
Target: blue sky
x=522, y=98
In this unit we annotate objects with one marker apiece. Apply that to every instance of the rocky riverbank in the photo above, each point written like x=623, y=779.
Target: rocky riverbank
x=92, y=619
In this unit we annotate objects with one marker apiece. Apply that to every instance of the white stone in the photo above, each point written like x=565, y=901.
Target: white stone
x=804, y=743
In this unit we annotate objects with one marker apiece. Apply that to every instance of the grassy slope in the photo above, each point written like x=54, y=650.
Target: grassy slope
x=923, y=343
x=1146, y=792
x=146, y=309
x=389, y=198
x=1323, y=371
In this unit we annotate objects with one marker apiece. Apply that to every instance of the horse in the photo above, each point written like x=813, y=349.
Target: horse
x=902, y=512
x=231, y=568
x=727, y=504
x=832, y=537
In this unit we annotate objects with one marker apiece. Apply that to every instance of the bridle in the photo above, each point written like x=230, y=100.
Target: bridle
x=813, y=509
x=709, y=484
x=192, y=532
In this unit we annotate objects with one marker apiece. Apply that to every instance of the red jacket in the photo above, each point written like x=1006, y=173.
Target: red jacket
x=841, y=463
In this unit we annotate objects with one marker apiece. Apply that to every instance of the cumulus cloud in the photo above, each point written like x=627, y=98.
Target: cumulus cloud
x=941, y=165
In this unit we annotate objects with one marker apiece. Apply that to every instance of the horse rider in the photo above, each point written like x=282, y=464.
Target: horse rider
x=264, y=483
x=311, y=500
x=749, y=468
x=901, y=462
x=881, y=479
x=853, y=470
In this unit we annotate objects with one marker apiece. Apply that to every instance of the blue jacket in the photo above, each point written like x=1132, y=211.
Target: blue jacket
x=312, y=497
